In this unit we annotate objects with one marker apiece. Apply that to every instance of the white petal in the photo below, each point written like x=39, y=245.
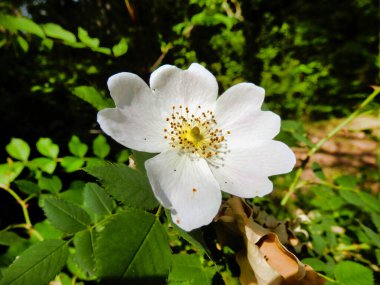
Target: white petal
x=138, y=127
x=238, y=111
x=245, y=170
x=192, y=87
x=186, y=186
x=125, y=87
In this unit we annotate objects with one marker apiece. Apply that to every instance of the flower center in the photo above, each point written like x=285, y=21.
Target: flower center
x=195, y=133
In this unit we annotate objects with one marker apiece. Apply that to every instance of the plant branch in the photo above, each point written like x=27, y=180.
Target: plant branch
x=333, y=132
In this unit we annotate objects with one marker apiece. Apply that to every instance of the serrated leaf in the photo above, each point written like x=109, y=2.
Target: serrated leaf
x=188, y=269
x=139, y=252
x=38, y=264
x=57, y=32
x=86, y=39
x=76, y=147
x=100, y=146
x=52, y=184
x=15, y=24
x=140, y=157
x=352, y=273
x=28, y=187
x=92, y=96
x=10, y=171
x=18, y=149
x=97, y=200
x=65, y=215
x=120, y=48
x=125, y=184
x=84, y=251
x=45, y=164
x=72, y=163
x=47, y=148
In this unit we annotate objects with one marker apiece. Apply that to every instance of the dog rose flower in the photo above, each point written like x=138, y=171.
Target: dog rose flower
x=206, y=144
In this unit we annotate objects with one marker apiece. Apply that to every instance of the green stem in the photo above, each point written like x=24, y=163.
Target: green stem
x=327, y=278
x=28, y=224
x=333, y=132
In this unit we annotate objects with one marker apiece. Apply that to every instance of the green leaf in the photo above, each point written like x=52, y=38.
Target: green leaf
x=72, y=163
x=9, y=238
x=318, y=171
x=346, y=181
x=18, y=149
x=376, y=221
x=138, y=254
x=56, y=31
x=84, y=251
x=23, y=43
x=370, y=201
x=28, y=187
x=352, y=198
x=125, y=184
x=52, y=184
x=97, y=200
x=38, y=264
x=317, y=264
x=352, y=273
x=48, y=231
x=140, y=157
x=102, y=50
x=86, y=39
x=120, y=48
x=188, y=269
x=47, y=148
x=123, y=156
x=374, y=238
x=101, y=147
x=45, y=164
x=76, y=147
x=92, y=96
x=65, y=215
x=15, y=24
x=10, y=171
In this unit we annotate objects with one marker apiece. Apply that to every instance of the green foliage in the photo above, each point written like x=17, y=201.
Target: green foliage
x=47, y=148
x=18, y=149
x=188, y=269
x=141, y=244
x=125, y=184
x=92, y=96
x=38, y=264
x=351, y=273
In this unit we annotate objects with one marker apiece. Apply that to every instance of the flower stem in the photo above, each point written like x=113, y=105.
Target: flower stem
x=333, y=132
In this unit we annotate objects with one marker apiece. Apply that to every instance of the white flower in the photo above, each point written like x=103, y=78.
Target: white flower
x=206, y=145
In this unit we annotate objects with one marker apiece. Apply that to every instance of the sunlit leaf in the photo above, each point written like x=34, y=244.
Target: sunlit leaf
x=76, y=147
x=92, y=96
x=14, y=24
x=23, y=43
x=18, y=149
x=45, y=164
x=47, y=148
x=86, y=39
x=352, y=273
x=72, y=163
x=10, y=171
x=120, y=48
x=188, y=269
x=57, y=32
x=100, y=146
